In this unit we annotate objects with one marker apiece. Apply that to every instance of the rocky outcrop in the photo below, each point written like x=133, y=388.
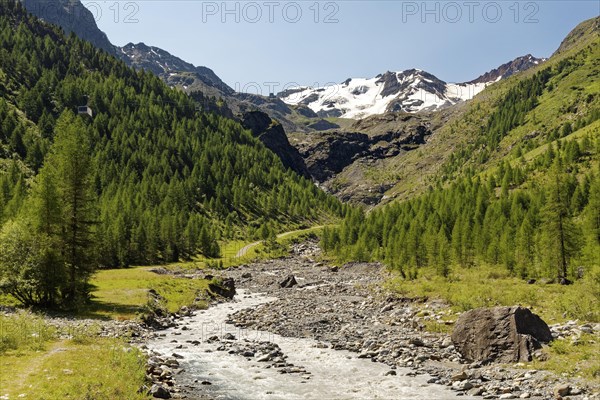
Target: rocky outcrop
x=224, y=288
x=499, y=334
x=72, y=16
x=323, y=125
x=510, y=68
x=272, y=134
x=330, y=153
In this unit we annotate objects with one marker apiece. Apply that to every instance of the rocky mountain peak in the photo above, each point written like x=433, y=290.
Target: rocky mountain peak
x=508, y=69
x=173, y=69
x=71, y=16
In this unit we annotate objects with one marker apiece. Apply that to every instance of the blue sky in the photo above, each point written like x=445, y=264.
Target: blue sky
x=309, y=42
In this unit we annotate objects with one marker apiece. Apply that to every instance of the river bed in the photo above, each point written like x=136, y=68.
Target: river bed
x=330, y=374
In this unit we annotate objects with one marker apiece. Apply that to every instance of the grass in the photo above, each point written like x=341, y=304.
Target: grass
x=486, y=287
x=36, y=364
x=24, y=331
x=122, y=293
x=284, y=241
x=572, y=358
x=483, y=286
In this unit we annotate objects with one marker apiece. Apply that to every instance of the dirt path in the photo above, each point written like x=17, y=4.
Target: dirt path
x=16, y=380
x=244, y=250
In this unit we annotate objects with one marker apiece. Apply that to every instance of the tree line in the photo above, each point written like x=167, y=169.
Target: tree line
x=543, y=227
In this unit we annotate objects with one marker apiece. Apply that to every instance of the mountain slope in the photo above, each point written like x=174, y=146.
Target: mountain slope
x=409, y=91
x=508, y=187
x=461, y=136
x=169, y=180
x=72, y=16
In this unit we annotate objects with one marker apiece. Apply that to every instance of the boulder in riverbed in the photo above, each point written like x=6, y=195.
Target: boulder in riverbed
x=499, y=334
x=288, y=282
x=159, y=392
x=224, y=288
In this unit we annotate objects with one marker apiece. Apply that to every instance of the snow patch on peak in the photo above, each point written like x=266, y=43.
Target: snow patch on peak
x=411, y=90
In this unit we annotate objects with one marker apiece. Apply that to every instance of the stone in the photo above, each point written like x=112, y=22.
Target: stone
x=477, y=391
x=562, y=390
x=461, y=376
x=263, y=357
x=525, y=395
x=224, y=288
x=499, y=334
x=575, y=391
x=462, y=386
x=288, y=282
x=159, y=392
x=416, y=342
x=508, y=396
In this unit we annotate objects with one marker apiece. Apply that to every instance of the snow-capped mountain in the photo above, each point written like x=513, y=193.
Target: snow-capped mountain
x=412, y=90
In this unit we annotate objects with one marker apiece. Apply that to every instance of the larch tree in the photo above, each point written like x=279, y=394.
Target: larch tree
x=70, y=159
x=561, y=238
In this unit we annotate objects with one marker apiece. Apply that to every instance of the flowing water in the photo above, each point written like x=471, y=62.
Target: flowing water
x=334, y=374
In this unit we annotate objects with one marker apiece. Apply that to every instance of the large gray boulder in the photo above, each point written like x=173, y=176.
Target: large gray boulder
x=499, y=334
x=224, y=288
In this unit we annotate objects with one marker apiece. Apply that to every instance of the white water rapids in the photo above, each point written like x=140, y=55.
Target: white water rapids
x=334, y=374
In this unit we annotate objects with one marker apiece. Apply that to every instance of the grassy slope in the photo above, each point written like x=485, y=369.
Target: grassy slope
x=122, y=293
x=485, y=286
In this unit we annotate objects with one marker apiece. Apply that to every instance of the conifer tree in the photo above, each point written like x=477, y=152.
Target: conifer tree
x=71, y=161
x=561, y=237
